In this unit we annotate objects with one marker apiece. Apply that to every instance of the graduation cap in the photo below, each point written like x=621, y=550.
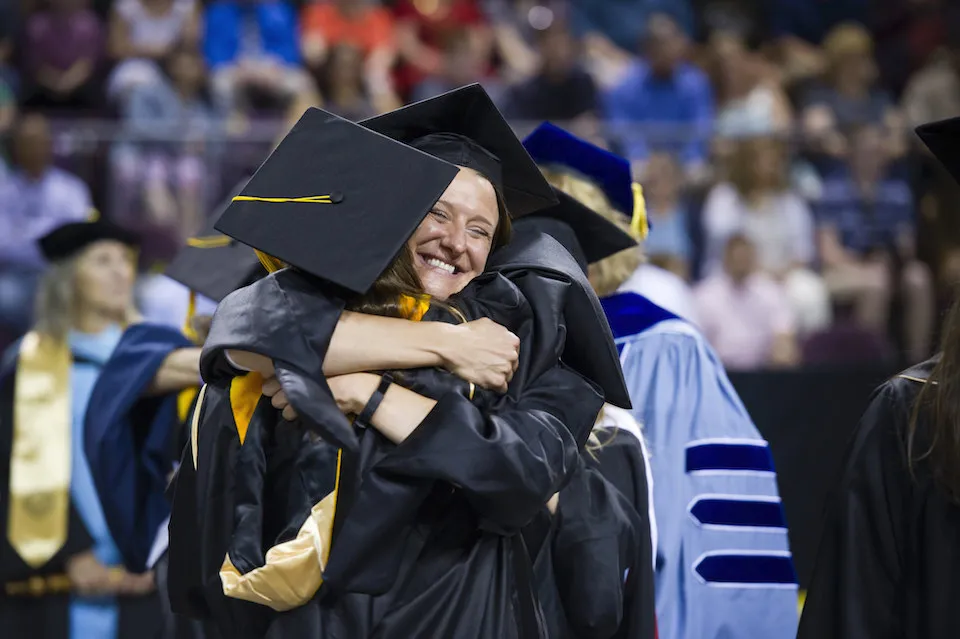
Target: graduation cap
x=549, y=145
x=215, y=265
x=465, y=128
x=943, y=140
x=586, y=234
x=336, y=200
x=69, y=239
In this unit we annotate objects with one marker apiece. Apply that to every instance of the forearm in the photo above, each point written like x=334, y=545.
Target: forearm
x=369, y=343
x=400, y=412
x=180, y=370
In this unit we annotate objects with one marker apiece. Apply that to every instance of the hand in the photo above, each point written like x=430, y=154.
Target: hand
x=482, y=352
x=271, y=388
x=88, y=575
x=133, y=585
x=553, y=503
x=353, y=391
x=201, y=326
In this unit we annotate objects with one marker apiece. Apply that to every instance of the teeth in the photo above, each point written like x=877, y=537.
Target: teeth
x=434, y=262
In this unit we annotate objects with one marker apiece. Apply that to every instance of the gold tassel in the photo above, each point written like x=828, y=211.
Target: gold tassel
x=639, y=225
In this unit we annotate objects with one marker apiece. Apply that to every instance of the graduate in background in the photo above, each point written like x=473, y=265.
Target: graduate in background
x=144, y=394
x=573, y=568
x=888, y=565
x=61, y=574
x=724, y=566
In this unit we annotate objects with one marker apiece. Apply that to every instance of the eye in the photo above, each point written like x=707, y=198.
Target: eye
x=440, y=214
x=477, y=231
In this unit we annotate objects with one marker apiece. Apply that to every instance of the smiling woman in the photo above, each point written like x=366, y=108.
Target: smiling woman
x=452, y=244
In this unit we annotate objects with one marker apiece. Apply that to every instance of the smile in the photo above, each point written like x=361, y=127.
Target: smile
x=439, y=264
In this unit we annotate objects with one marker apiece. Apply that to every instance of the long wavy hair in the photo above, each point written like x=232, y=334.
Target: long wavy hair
x=58, y=301
x=938, y=407
x=608, y=274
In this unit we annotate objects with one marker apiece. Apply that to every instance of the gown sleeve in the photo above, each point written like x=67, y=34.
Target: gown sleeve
x=855, y=590
x=508, y=460
x=597, y=546
x=129, y=437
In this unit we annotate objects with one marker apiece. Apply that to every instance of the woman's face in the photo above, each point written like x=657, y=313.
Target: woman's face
x=451, y=245
x=105, y=278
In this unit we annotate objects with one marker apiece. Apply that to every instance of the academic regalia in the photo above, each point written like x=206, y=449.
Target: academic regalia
x=617, y=599
x=724, y=565
x=430, y=537
x=50, y=509
x=887, y=564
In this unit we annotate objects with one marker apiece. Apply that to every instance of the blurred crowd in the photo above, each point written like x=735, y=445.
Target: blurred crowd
x=772, y=138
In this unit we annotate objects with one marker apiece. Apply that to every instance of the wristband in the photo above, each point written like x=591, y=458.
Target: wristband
x=374, y=403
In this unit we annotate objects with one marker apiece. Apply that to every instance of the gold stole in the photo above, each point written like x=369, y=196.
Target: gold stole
x=39, y=509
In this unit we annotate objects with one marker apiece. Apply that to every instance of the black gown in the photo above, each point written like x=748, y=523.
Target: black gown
x=426, y=540
x=888, y=565
x=35, y=602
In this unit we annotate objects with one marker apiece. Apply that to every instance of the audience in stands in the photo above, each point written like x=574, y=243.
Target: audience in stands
x=142, y=34
x=252, y=50
x=362, y=26
x=745, y=313
x=37, y=197
x=663, y=100
x=867, y=236
x=63, y=47
x=671, y=245
x=702, y=95
x=757, y=201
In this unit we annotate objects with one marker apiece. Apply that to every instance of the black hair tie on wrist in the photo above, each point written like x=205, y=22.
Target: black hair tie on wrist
x=363, y=420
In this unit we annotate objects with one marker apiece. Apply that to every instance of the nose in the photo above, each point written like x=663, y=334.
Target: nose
x=455, y=239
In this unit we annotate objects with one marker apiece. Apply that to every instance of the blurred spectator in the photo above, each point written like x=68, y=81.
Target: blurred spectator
x=253, y=54
x=867, y=233
x=561, y=90
x=364, y=26
x=669, y=245
x=798, y=27
x=342, y=86
x=463, y=63
x=142, y=33
x=8, y=110
x=758, y=202
x=749, y=98
x=846, y=342
x=744, y=312
x=933, y=93
x=62, y=52
x=613, y=29
x=425, y=30
x=160, y=175
x=850, y=96
x=663, y=100
x=8, y=35
x=37, y=197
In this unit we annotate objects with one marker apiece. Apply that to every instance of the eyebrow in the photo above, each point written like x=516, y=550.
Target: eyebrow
x=475, y=218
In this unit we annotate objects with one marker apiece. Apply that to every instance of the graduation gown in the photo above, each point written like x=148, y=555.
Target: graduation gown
x=723, y=565
x=888, y=564
x=36, y=601
x=429, y=538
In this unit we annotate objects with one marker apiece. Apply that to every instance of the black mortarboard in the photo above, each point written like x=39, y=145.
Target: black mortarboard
x=589, y=348
x=215, y=265
x=587, y=235
x=943, y=140
x=69, y=239
x=336, y=200
x=464, y=127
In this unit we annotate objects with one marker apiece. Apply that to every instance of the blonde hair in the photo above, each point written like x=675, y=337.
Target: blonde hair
x=56, y=302
x=608, y=274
